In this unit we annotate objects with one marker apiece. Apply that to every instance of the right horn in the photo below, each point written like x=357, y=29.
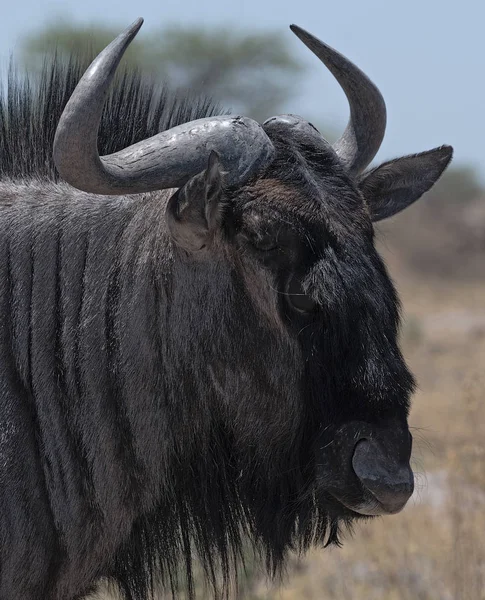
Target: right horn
x=166, y=160
x=365, y=131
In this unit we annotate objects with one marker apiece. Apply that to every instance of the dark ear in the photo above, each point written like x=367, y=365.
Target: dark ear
x=193, y=211
x=395, y=185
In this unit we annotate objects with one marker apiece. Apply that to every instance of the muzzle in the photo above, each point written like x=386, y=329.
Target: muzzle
x=366, y=468
x=388, y=483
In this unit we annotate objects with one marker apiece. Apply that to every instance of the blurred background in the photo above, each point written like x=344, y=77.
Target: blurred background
x=428, y=59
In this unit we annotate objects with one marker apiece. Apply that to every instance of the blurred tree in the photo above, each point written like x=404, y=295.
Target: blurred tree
x=251, y=73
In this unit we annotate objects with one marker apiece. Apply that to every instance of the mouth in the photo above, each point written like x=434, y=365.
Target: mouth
x=371, y=506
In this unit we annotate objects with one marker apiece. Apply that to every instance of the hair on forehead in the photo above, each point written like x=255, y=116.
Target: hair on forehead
x=324, y=199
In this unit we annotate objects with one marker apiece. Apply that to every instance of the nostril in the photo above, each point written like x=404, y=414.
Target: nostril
x=390, y=481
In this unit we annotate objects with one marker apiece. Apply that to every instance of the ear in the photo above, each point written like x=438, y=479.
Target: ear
x=395, y=185
x=193, y=211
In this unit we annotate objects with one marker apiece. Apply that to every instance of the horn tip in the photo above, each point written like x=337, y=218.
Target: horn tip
x=134, y=28
x=307, y=38
x=299, y=31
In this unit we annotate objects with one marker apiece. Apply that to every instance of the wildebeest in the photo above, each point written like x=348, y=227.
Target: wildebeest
x=183, y=371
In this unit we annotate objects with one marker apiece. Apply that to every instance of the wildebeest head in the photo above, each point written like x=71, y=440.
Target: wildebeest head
x=281, y=307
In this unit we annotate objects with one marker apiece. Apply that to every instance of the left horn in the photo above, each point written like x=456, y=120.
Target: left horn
x=168, y=159
x=365, y=131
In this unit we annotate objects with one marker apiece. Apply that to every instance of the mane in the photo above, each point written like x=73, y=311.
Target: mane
x=31, y=105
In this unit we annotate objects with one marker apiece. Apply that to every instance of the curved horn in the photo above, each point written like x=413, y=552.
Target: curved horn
x=165, y=160
x=365, y=131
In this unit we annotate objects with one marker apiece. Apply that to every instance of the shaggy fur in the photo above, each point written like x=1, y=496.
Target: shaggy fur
x=31, y=106
x=157, y=406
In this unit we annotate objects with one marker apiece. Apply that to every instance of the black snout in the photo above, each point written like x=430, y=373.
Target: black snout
x=388, y=479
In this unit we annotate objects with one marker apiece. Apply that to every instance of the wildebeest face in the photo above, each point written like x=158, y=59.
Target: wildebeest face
x=316, y=317
x=313, y=242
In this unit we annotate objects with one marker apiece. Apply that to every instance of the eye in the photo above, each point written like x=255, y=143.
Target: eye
x=297, y=297
x=263, y=242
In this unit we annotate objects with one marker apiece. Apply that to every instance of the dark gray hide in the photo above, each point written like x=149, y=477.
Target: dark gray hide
x=181, y=371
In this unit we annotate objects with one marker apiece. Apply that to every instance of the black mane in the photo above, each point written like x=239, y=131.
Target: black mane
x=31, y=105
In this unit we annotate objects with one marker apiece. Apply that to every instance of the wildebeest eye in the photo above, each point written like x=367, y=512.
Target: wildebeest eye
x=298, y=299
x=263, y=243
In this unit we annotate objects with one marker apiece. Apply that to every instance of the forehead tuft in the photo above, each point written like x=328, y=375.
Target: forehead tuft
x=325, y=203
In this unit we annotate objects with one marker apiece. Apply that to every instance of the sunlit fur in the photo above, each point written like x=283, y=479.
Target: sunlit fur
x=158, y=406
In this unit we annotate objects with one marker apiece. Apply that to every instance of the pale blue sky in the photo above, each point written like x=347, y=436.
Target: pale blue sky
x=427, y=56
